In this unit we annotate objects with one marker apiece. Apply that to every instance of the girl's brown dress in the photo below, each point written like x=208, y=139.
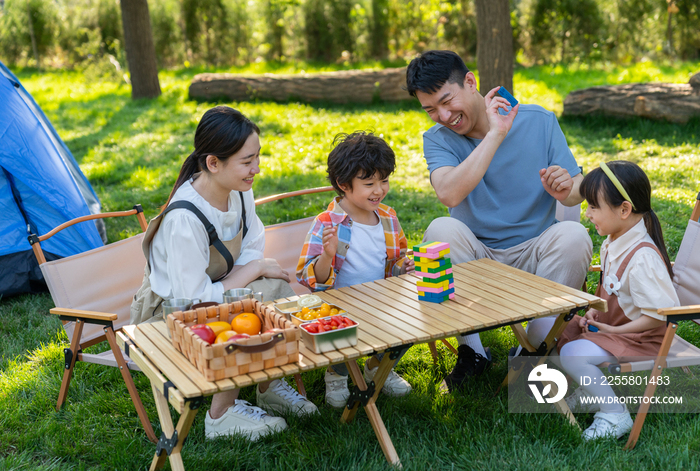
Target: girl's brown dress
x=639, y=344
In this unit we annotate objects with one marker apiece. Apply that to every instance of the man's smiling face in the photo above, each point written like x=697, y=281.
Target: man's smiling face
x=453, y=105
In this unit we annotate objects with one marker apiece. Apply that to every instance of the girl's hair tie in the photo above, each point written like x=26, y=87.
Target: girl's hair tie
x=617, y=183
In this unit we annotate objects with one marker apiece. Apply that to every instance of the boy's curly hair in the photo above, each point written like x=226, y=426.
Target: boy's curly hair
x=360, y=154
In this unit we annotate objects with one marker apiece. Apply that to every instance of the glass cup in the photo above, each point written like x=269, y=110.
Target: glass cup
x=178, y=304
x=239, y=294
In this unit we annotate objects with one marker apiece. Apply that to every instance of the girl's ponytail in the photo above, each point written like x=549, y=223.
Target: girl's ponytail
x=189, y=167
x=654, y=229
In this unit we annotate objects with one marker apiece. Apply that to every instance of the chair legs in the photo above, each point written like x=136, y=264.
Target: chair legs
x=649, y=391
x=123, y=368
x=70, y=363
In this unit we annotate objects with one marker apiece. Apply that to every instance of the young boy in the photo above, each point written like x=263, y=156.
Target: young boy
x=356, y=240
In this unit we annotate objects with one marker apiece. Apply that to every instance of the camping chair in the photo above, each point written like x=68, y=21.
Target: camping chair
x=92, y=292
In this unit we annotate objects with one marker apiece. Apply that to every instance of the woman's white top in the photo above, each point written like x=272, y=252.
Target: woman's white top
x=366, y=258
x=645, y=286
x=179, y=253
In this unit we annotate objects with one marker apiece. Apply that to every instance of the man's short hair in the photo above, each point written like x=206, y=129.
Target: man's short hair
x=360, y=154
x=432, y=69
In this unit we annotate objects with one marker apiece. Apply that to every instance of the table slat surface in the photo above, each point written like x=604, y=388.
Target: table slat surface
x=487, y=294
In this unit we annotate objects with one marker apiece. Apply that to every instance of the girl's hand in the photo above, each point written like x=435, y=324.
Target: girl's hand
x=584, y=321
x=604, y=328
x=409, y=266
x=330, y=241
x=271, y=269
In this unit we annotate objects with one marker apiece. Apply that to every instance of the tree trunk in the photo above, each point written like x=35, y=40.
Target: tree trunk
x=379, y=38
x=345, y=86
x=494, y=49
x=32, y=36
x=675, y=102
x=140, y=50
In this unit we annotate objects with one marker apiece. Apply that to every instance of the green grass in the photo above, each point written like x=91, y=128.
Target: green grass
x=132, y=151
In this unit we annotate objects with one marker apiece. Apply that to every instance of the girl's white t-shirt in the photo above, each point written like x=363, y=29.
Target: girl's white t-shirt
x=179, y=254
x=366, y=258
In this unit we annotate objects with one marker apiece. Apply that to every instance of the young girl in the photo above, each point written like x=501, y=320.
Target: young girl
x=209, y=240
x=635, y=281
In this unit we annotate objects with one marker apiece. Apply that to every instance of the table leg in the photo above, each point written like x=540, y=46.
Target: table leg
x=300, y=384
x=548, y=344
x=166, y=423
x=371, y=408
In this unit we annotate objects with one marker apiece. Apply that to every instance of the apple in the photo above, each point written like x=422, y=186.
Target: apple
x=204, y=332
x=238, y=337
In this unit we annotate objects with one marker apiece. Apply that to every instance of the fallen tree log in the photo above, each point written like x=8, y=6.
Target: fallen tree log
x=675, y=102
x=356, y=86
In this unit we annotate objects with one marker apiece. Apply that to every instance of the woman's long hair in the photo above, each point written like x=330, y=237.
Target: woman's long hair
x=636, y=183
x=221, y=132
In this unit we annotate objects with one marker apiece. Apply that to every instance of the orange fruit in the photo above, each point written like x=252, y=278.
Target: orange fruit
x=219, y=326
x=225, y=335
x=246, y=323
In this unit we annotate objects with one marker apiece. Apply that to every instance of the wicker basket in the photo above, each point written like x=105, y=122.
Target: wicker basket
x=229, y=359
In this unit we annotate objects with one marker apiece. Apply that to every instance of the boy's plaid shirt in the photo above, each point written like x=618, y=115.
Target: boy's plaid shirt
x=396, y=244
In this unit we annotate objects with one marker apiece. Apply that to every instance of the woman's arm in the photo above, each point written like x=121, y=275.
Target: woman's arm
x=241, y=275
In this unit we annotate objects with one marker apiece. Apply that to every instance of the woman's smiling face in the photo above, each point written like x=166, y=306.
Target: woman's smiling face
x=238, y=171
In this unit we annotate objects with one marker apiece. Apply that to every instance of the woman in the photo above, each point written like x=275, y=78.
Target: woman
x=209, y=240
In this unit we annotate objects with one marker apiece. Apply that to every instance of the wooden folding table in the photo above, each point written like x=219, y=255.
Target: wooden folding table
x=390, y=317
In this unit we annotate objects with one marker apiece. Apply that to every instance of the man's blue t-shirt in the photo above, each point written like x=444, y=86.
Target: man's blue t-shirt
x=509, y=205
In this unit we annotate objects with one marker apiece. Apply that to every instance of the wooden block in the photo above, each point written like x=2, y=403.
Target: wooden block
x=424, y=256
x=431, y=247
x=439, y=279
x=438, y=290
x=433, y=275
x=434, y=267
x=424, y=284
x=436, y=295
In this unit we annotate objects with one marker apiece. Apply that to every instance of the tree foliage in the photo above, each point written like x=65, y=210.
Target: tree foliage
x=236, y=32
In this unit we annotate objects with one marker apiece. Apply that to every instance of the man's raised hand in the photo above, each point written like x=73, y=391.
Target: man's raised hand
x=499, y=123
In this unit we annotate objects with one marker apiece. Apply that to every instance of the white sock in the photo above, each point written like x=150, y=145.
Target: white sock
x=474, y=341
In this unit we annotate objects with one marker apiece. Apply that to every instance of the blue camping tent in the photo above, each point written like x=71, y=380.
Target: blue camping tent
x=41, y=187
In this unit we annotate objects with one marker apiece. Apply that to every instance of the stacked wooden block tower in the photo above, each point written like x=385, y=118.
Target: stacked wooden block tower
x=435, y=269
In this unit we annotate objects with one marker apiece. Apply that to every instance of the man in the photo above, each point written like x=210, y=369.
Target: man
x=500, y=171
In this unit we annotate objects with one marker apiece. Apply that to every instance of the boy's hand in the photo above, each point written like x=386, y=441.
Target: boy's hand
x=330, y=241
x=557, y=182
x=409, y=266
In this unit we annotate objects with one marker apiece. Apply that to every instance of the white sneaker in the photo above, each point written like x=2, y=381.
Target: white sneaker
x=609, y=425
x=581, y=401
x=337, y=392
x=242, y=418
x=394, y=385
x=281, y=398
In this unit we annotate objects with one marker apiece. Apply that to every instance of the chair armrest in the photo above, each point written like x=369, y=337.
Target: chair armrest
x=80, y=314
x=680, y=313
